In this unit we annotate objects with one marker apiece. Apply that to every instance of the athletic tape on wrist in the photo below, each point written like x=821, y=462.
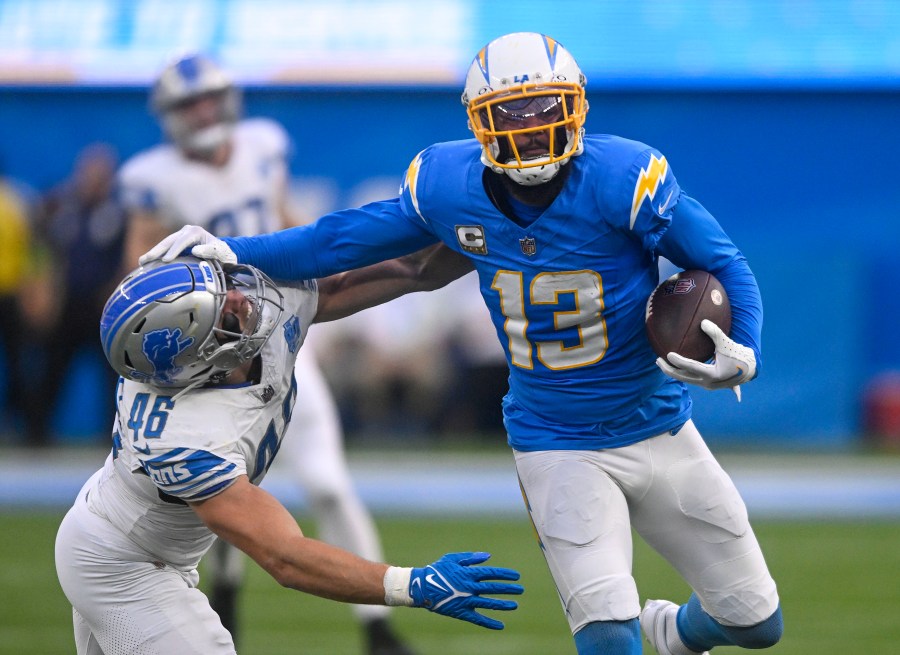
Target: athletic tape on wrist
x=396, y=586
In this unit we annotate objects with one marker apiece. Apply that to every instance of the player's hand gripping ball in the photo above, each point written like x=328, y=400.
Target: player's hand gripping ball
x=675, y=310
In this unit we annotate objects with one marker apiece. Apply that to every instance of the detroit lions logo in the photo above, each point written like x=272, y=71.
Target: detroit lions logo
x=292, y=333
x=161, y=347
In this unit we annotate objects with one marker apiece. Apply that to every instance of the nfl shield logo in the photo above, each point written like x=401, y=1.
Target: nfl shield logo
x=680, y=286
x=528, y=246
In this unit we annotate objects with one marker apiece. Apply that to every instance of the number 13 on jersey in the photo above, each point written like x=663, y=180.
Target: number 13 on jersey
x=542, y=295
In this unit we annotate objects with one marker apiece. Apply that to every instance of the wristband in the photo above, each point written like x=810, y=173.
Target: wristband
x=396, y=586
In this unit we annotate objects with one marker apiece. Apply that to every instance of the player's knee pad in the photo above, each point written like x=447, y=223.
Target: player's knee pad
x=762, y=635
x=609, y=638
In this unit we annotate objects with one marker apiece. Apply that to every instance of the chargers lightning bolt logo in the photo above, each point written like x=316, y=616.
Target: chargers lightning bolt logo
x=648, y=182
x=411, y=180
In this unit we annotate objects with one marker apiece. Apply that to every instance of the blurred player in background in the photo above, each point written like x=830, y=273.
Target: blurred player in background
x=81, y=227
x=206, y=356
x=15, y=250
x=565, y=231
x=230, y=176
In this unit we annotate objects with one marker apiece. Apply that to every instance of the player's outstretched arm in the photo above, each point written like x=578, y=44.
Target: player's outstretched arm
x=255, y=522
x=732, y=365
x=426, y=270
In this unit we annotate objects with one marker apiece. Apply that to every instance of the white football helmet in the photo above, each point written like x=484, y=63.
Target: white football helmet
x=526, y=85
x=166, y=324
x=184, y=81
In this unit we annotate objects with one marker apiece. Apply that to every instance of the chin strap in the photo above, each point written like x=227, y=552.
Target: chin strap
x=192, y=385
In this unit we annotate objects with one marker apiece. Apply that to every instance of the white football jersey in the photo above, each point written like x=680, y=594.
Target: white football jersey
x=239, y=199
x=170, y=450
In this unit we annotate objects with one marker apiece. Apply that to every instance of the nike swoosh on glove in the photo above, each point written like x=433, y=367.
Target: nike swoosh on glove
x=452, y=586
x=191, y=239
x=732, y=365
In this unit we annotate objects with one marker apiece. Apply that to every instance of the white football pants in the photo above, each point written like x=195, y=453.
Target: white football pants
x=124, y=605
x=312, y=451
x=675, y=494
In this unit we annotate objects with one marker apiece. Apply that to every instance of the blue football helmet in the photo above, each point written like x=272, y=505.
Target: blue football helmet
x=165, y=323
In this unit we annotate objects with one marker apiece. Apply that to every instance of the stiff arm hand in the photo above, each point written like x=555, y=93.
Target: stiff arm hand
x=732, y=365
x=193, y=239
x=454, y=587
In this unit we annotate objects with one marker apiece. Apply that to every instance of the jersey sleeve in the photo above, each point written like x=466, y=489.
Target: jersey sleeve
x=696, y=240
x=270, y=135
x=191, y=474
x=269, y=140
x=141, y=187
x=198, y=456
x=643, y=200
x=135, y=191
x=343, y=240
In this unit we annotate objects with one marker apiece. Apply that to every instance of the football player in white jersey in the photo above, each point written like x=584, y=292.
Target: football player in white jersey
x=206, y=354
x=230, y=176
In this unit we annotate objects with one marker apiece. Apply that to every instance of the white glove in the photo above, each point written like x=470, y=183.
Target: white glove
x=733, y=364
x=202, y=244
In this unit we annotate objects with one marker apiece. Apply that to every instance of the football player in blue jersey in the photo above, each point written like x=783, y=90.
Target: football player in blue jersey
x=565, y=231
x=206, y=358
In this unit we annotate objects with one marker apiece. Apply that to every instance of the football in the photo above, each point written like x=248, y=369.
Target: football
x=676, y=308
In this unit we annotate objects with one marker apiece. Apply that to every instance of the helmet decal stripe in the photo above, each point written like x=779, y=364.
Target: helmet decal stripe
x=189, y=69
x=550, y=45
x=483, y=63
x=137, y=295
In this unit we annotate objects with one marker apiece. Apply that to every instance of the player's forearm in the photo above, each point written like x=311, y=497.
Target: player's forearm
x=746, y=305
x=347, y=293
x=425, y=270
x=255, y=522
x=318, y=568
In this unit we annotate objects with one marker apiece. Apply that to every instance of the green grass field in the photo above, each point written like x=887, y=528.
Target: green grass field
x=839, y=585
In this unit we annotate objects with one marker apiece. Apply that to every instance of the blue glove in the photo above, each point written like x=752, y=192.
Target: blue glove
x=453, y=587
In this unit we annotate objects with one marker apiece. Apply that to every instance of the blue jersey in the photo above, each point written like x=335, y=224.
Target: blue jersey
x=567, y=294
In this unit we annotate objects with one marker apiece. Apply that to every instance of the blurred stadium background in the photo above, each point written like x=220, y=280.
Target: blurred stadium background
x=780, y=116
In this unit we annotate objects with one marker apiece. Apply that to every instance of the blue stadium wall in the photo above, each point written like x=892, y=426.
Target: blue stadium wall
x=804, y=181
